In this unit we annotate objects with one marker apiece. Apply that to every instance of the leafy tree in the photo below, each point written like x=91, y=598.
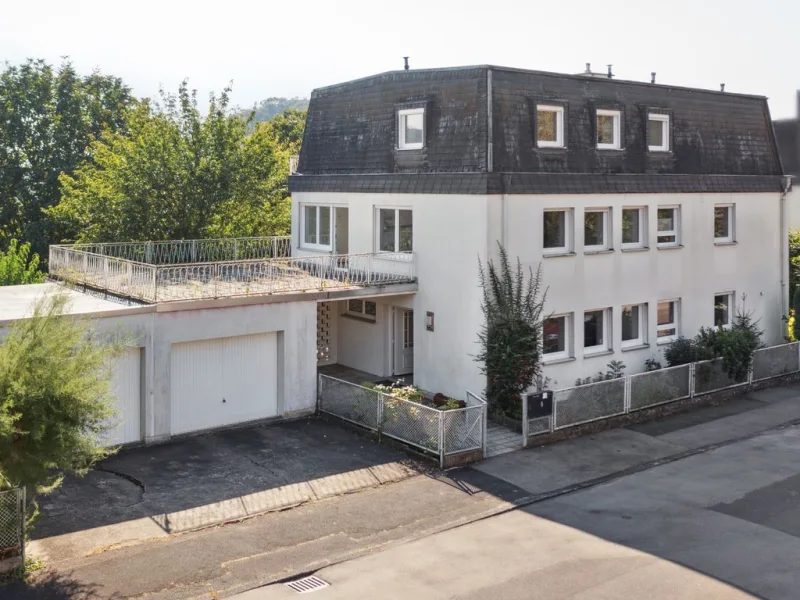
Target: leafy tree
x=18, y=267
x=47, y=119
x=510, y=338
x=55, y=397
x=287, y=127
x=177, y=174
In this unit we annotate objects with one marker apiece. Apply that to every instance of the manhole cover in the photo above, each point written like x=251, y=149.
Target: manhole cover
x=304, y=585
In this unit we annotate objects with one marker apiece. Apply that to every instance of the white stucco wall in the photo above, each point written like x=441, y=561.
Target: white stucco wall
x=693, y=273
x=450, y=233
x=363, y=344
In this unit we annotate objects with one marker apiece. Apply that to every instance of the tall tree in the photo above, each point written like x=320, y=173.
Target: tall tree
x=175, y=173
x=48, y=118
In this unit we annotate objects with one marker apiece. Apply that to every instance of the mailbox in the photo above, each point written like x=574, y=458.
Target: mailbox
x=540, y=405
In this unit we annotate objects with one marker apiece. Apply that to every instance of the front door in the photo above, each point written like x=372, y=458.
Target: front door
x=403, y=341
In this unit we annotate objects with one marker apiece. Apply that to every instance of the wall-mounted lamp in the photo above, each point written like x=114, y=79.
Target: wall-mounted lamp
x=429, y=321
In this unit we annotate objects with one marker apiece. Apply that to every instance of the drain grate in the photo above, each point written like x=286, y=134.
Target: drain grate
x=312, y=583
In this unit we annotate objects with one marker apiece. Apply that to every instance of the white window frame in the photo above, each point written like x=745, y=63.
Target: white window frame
x=569, y=232
x=559, y=112
x=568, y=328
x=606, y=345
x=671, y=232
x=361, y=314
x=606, y=243
x=731, y=208
x=377, y=228
x=401, y=129
x=731, y=298
x=675, y=324
x=642, y=243
x=617, y=143
x=641, y=339
x=308, y=246
x=664, y=119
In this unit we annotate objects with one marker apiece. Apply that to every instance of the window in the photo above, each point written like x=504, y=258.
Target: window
x=723, y=223
x=668, y=225
x=634, y=227
x=595, y=330
x=550, y=126
x=634, y=325
x=595, y=229
x=557, y=237
x=365, y=309
x=608, y=129
x=411, y=129
x=395, y=230
x=556, y=336
x=658, y=132
x=667, y=323
x=722, y=309
x=316, y=227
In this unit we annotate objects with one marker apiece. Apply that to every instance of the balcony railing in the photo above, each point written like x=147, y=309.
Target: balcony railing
x=172, y=271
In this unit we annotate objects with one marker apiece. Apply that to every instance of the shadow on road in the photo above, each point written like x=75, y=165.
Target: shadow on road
x=52, y=586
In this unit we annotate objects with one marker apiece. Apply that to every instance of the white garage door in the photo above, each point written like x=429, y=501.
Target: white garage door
x=127, y=388
x=223, y=381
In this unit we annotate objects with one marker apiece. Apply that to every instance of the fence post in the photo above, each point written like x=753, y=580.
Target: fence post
x=155, y=283
x=148, y=253
x=691, y=379
x=441, y=439
x=130, y=276
x=380, y=414
x=485, y=426
x=369, y=269
x=524, y=420
x=105, y=272
x=554, y=415
x=215, y=275
x=23, y=524
x=627, y=394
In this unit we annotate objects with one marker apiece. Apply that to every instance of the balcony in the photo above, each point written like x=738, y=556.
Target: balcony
x=168, y=271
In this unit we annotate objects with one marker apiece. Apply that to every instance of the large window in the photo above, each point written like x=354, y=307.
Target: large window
x=634, y=325
x=658, y=132
x=596, y=229
x=723, y=223
x=550, y=126
x=557, y=237
x=557, y=337
x=609, y=129
x=634, y=227
x=395, y=230
x=723, y=308
x=316, y=227
x=411, y=129
x=595, y=330
x=669, y=225
x=667, y=324
x=363, y=309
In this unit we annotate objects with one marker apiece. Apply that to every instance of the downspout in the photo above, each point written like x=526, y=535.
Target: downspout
x=786, y=186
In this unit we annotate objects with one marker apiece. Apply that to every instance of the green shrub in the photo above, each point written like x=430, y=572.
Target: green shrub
x=18, y=266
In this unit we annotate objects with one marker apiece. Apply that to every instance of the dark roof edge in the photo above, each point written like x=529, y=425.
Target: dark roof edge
x=773, y=138
x=533, y=72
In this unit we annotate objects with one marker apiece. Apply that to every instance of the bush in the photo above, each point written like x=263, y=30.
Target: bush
x=684, y=351
x=18, y=266
x=616, y=370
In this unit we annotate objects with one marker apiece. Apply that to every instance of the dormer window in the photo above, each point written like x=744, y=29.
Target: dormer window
x=609, y=129
x=411, y=128
x=658, y=132
x=549, y=126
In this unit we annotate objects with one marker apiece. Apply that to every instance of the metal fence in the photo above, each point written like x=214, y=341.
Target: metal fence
x=170, y=282
x=438, y=432
x=605, y=399
x=12, y=525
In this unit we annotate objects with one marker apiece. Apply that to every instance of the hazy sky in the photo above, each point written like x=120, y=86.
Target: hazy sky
x=287, y=48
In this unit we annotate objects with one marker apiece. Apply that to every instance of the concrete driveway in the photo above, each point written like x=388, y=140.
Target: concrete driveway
x=160, y=490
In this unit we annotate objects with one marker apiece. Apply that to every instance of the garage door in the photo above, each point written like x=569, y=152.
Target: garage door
x=127, y=388
x=224, y=381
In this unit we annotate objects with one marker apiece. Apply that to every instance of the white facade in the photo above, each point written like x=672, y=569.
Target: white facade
x=451, y=232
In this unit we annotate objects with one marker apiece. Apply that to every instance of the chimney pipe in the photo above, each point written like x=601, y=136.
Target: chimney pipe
x=405, y=60
x=721, y=87
x=610, y=74
x=588, y=68
x=653, y=77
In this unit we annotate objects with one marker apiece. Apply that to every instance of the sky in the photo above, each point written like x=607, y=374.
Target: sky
x=287, y=48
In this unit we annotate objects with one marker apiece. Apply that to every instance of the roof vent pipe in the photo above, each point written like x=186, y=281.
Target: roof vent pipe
x=721, y=87
x=588, y=68
x=610, y=74
x=653, y=77
x=405, y=60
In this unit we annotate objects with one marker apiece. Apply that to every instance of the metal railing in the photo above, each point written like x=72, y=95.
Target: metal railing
x=605, y=399
x=171, y=282
x=439, y=432
x=12, y=525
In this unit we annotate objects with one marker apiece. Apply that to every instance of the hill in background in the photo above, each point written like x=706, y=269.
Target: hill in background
x=266, y=109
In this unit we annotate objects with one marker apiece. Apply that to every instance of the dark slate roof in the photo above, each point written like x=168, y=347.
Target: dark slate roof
x=787, y=132
x=351, y=130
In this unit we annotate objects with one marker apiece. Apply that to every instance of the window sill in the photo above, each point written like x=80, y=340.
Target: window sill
x=357, y=318
x=670, y=247
x=666, y=340
x=557, y=361
x=609, y=149
x=548, y=148
x=557, y=254
x=659, y=151
x=320, y=250
x=399, y=256
x=598, y=353
x=603, y=251
x=636, y=347
x=409, y=148
x=637, y=249
x=725, y=243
